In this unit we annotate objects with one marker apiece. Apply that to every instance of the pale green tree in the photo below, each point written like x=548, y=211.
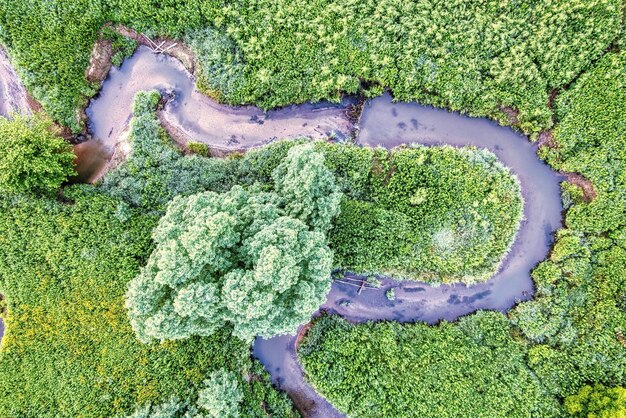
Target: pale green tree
x=250, y=258
x=307, y=187
x=221, y=395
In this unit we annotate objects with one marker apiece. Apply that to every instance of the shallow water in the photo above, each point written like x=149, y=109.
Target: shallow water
x=382, y=123
x=200, y=118
x=13, y=97
x=391, y=124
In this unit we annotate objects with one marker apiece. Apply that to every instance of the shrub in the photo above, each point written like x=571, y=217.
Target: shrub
x=437, y=214
x=386, y=369
x=578, y=313
x=199, y=148
x=33, y=159
x=597, y=402
x=221, y=395
x=156, y=170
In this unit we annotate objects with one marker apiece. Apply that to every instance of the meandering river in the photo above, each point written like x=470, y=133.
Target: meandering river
x=382, y=122
x=391, y=124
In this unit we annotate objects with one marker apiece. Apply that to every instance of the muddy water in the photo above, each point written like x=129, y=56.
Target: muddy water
x=392, y=124
x=200, y=118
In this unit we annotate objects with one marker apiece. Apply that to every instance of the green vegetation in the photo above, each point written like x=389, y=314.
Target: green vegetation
x=220, y=397
x=257, y=260
x=122, y=46
x=578, y=316
x=477, y=57
x=68, y=310
x=473, y=368
x=32, y=157
x=591, y=141
x=438, y=214
x=597, y=402
x=69, y=349
x=199, y=148
x=573, y=332
x=156, y=170
x=66, y=264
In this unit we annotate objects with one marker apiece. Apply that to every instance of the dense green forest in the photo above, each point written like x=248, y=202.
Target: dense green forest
x=65, y=267
x=572, y=333
x=437, y=214
x=477, y=57
x=138, y=296
x=473, y=368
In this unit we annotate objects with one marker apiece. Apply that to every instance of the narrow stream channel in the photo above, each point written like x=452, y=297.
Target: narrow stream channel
x=382, y=123
x=199, y=118
x=13, y=96
x=391, y=124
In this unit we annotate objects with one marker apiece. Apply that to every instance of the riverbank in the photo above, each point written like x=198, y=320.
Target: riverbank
x=381, y=123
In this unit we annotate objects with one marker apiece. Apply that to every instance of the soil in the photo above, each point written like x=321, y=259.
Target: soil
x=100, y=61
x=546, y=139
x=589, y=192
x=512, y=114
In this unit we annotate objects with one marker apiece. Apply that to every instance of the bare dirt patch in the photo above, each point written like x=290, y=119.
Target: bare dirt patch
x=546, y=139
x=512, y=114
x=589, y=192
x=302, y=333
x=100, y=61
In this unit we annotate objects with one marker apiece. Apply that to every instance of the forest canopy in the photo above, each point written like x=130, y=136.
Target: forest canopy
x=484, y=58
x=279, y=218
x=257, y=260
x=33, y=158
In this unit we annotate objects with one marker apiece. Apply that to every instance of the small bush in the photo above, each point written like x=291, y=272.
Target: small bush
x=597, y=401
x=33, y=159
x=199, y=148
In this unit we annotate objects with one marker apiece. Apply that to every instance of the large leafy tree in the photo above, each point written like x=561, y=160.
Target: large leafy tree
x=33, y=158
x=221, y=396
x=256, y=259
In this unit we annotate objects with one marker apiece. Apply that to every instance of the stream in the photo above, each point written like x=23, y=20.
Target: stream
x=193, y=115
x=391, y=124
x=196, y=117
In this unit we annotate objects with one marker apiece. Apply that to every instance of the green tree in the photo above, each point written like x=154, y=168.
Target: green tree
x=221, y=396
x=308, y=187
x=255, y=259
x=598, y=401
x=32, y=157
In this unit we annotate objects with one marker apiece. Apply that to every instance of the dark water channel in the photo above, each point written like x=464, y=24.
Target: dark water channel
x=382, y=123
